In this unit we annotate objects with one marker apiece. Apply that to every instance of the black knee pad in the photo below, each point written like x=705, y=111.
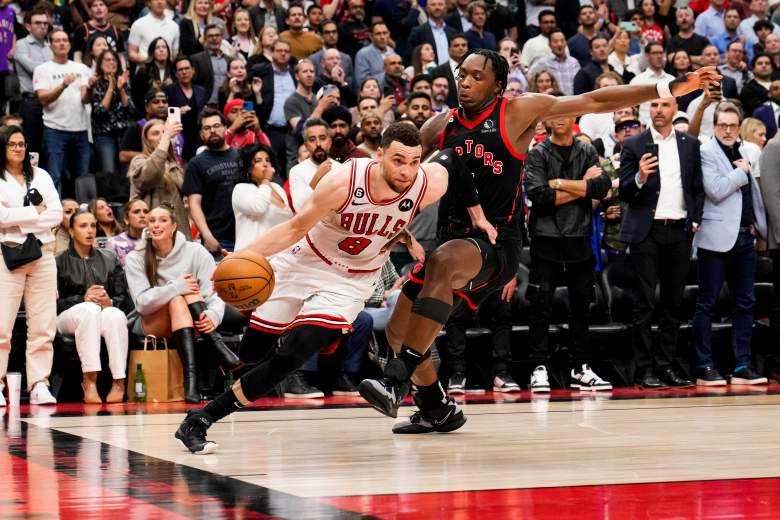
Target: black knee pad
x=411, y=289
x=433, y=309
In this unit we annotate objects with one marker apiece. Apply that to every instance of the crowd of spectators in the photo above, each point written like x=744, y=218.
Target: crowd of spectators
x=202, y=124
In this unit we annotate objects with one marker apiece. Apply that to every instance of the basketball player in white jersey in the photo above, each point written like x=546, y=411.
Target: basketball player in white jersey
x=327, y=259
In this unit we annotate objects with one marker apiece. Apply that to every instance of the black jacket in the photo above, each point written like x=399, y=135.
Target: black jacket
x=542, y=164
x=265, y=71
x=75, y=275
x=641, y=202
x=424, y=34
x=753, y=95
x=204, y=72
x=257, y=14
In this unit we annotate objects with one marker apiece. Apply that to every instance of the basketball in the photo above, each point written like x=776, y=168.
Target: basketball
x=245, y=280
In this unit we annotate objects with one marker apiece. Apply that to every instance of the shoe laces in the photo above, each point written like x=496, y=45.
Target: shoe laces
x=540, y=374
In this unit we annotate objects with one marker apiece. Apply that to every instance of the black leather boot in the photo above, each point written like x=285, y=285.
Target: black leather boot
x=230, y=360
x=185, y=343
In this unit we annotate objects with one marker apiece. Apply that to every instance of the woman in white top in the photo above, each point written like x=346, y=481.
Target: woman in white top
x=619, y=58
x=258, y=203
x=35, y=281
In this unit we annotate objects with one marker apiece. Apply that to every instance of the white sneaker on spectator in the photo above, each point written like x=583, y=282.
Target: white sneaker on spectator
x=540, y=382
x=40, y=394
x=2, y=399
x=587, y=379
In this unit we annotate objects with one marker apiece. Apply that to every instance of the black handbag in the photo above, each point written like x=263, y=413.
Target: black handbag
x=17, y=255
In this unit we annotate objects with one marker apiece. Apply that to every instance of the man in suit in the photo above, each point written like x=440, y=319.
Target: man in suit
x=769, y=113
x=733, y=215
x=458, y=48
x=267, y=11
x=458, y=18
x=211, y=64
x=664, y=198
x=754, y=93
x=770, y=191
x=436, y=31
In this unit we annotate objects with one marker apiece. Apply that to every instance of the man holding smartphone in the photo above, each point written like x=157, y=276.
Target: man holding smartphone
x=661, y=183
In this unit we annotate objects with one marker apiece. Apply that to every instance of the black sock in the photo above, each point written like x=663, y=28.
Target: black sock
x=401, y=368
x=225, y=404
x=431, y=397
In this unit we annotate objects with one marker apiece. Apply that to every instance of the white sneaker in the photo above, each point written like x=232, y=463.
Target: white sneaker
x=40, y=394
x=587, y=379
x=2, y=399
x=539, y=380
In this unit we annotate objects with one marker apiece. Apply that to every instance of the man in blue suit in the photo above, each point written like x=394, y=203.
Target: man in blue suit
x=733, y=216
x=664, y=199
x=769, y=112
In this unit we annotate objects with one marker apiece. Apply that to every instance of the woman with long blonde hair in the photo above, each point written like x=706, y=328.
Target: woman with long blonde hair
x=200, y=14
x=155, y=175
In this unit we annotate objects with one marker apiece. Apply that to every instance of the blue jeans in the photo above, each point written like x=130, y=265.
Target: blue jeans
x=106, y=152
x=737, y=267
x=381, y=315
x=356, y=347
x=61, y=148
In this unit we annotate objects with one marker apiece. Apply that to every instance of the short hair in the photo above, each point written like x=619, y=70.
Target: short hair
x=585, y=6
x=478, y=4
x=652, y=44
x=293, y=6
x=597, y=38
x=497, y=62
x=610, y=74
x=557, y=30
x=38, y=10
x=378, y=23
x=750, y=126
x=312, y=122
x=459, y=36
x=726, y=107
x=313, y=7
x=420, y=77
x=546, y=12
x=419, y=95
x=180, y=58
x=757, y=56
x=328, y=21
x=210, y=112
x=728, y=47
x=363, y=98
x=686, y=8
x=763, y=24
x=212, y=26
x=407, y=135
x=304, y=61
x=630, y=13
x=278, y=42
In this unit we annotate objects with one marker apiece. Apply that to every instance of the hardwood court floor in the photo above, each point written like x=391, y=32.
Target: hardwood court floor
x=625, y=455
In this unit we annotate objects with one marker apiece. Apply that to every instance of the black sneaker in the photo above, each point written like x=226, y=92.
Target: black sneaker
x=446, y=419
x=192, y=433
x=503, y=382
x=747, y=376
x=457, y=383
x=709, y=376
x=344, y=385
x=383, y=394
x=296, y=387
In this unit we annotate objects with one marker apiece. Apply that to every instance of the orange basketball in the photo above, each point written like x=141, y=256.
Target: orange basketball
x=245, y=280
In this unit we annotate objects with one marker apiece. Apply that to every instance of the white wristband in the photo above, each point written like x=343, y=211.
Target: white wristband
x=663, y=89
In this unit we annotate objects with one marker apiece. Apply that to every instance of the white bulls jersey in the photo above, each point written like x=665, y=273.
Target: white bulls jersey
x=352, y=237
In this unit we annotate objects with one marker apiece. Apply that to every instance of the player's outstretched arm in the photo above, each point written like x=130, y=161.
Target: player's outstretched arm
x=609, y=99
x=331, y=193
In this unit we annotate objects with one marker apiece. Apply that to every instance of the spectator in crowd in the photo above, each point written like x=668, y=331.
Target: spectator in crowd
x=334, y=74
x=97, y=24
x=686, y=39
x=31, y=51
x=93, y=303
x=107, y=226
x=756, y=91
x=562, y=178
x=244, y=39
x=371, y=130
x=96, y=45
x=423, y=61
x=543, y=82
x=170, y=283
x=620, y=59
x=305, y=175
x=258, y=203
x=208, y=184
x=314, y=18
x=702, y=111
x=679, y=63
x=211, y=64
x=369, y=104
x=770, y=193
x=458, y=47
x=278, y=82
x=156, y=73
x=155, y=174
x=477, y=36
x=436, y=31
x=264, y=51
x=394, y=82
x=35, y=281
x=754, y=131
x=302, y=43
x=156, y=107
x=440, y=91
x=509, y=50
x=725, y=38
x=243, y=126
x=381, y=303
x=150, y=27
x=710, y=58
x=539, y=46
x=772, y=49
x=193, y=24
x=769, y=112
x=458, y=18
x=62, y=88
x=369, y=61
x=725, y=246
x=759, y=11
x=339, y=121
x=355, y=34
x=585, y=80
x=664, y=198
x=762, y=28
x=62, y=232
x=559, y=63
x=418, y=110
x=267, y=13
x=580, y=43
x=112, y=109
x=134, y=214
x=654, y=26
x=191, y=99
x=238, y=86
x=514, y=88
x=329, y=31
x=711, y=22
x=654, y=72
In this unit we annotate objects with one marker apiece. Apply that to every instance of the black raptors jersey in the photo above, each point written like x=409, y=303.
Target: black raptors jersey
x=497, y=168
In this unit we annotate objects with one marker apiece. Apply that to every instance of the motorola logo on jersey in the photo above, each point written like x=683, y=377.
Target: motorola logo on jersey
x=368, y=224
x=406, y=205
x=479, y=152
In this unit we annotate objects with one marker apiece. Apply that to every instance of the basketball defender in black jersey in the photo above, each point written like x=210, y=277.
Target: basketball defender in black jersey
x=482, y=233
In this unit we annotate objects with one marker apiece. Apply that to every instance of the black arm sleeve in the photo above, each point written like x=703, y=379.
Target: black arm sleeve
x=460, y=177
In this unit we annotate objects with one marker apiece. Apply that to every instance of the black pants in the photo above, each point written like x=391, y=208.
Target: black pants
x=774, y=254
x=278, y=137
x=660, y=260
x=494, y=314
x=544, y=277
x=32, y=122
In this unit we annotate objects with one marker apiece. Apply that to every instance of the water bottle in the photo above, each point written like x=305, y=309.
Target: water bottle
x=140, y=384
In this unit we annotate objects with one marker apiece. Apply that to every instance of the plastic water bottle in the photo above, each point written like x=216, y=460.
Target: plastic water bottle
x=140, y=384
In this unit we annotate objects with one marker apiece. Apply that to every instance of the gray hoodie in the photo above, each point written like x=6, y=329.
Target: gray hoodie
x=185, y=257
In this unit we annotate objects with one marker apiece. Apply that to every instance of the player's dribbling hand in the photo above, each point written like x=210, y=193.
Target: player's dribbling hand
x=488, y=228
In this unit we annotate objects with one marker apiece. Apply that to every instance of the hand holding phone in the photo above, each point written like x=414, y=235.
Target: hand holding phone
x=648, y=164
x=174, y=114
